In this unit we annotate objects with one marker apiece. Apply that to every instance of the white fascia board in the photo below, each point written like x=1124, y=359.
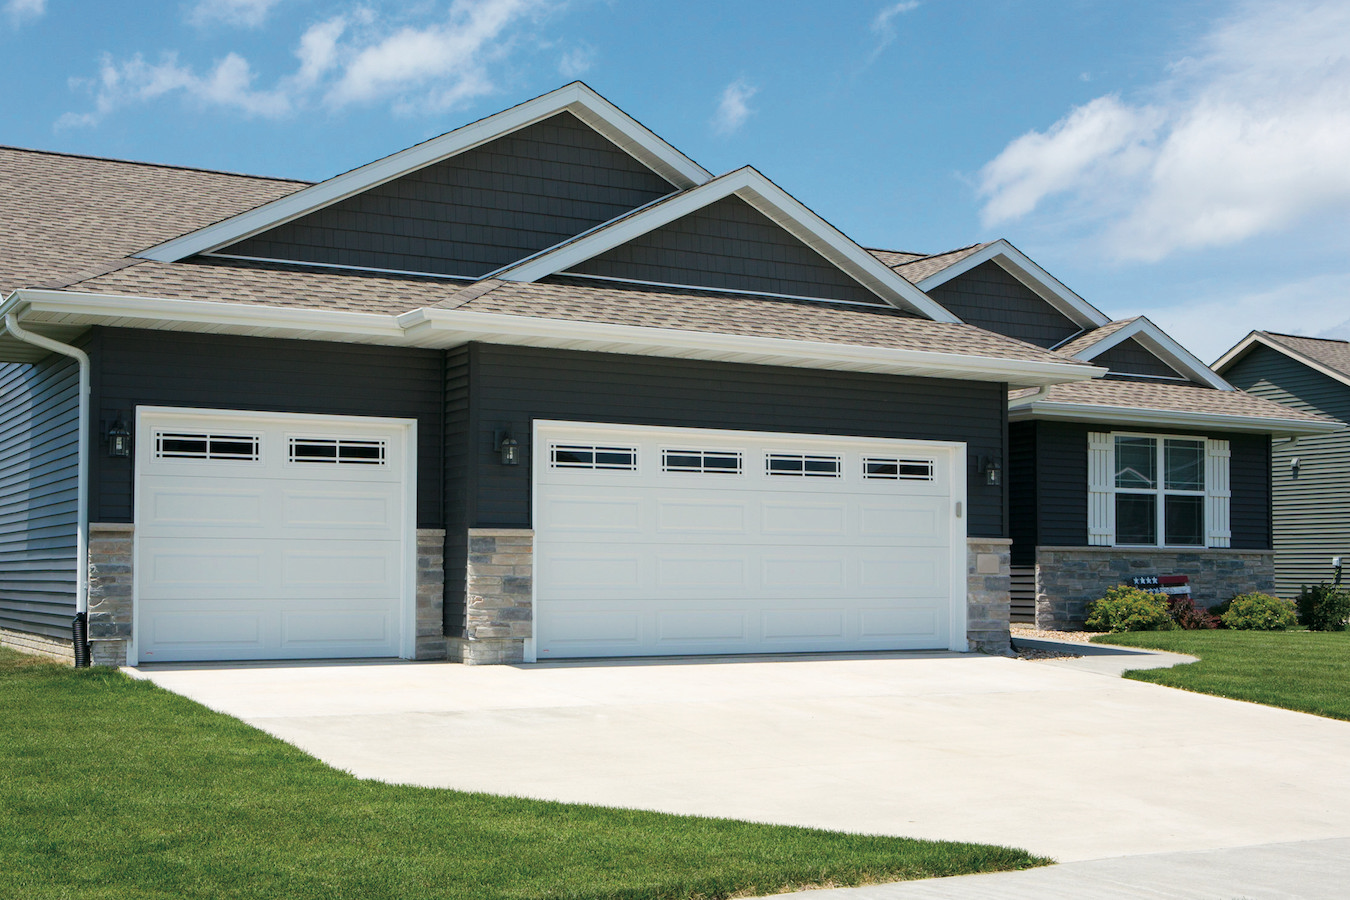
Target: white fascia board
x=763, y=195
x=1024, y=269
x=1256, y=337
x=1161, y=344
x=577, y=98
x=1164, y=418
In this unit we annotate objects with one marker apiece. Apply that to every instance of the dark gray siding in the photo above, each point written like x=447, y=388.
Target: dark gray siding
x=1311, y=511
x=158, y=368
x=512, y=386
x=1061, y=460
x=457, y=465
x=728, y=244
x=1022, y=492
x=477, y=211
x=989, y=297
x=39, y=466
x=1130, y=357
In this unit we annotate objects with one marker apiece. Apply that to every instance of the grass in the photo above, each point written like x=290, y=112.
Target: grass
x=113, y=788
x=1299, y=670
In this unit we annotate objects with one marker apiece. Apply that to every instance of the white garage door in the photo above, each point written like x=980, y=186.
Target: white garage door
x=263, y=536
x=687, y=541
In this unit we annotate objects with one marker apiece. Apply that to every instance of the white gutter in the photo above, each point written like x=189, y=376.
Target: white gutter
x=82, y=478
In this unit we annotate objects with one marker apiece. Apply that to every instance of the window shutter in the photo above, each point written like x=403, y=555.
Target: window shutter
x=1101, y=508
x=1217, y=494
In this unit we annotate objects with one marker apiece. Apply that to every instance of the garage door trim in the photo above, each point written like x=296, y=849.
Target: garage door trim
x=150, y=417
x=954, y=452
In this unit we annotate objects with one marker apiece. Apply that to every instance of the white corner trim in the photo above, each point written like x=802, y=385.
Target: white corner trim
x=625, y=131
x=1020, y=410
x=1161, y=344
x=765, y=196
x=1256, y=337
x=1024, y=269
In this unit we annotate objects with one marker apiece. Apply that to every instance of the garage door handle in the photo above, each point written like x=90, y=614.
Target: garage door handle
x=958, y=509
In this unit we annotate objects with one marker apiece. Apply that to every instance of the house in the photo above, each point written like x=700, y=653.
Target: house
x=1311, y=508
x=541, y=387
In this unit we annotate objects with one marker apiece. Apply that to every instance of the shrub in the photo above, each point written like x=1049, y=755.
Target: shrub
x=1125, y=608
x=1217, y=611
x=1259, y=612
x=1187, y=615
x=1323, y=607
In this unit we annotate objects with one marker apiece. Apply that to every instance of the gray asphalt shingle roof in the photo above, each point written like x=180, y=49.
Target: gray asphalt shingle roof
x=1329, y=352
x=1167, y=397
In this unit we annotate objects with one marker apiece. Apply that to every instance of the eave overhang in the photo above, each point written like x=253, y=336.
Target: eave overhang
x=1028, y=409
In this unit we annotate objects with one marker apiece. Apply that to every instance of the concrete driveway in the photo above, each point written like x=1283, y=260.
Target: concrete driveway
x=1063, y=761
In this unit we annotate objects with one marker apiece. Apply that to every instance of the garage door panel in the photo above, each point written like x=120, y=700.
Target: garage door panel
x=700, y=517
x=906, y=572
x=593, y=514
x=176, y=566
x=592, y=632
x=824, y=573
x=701, y=626
x=821, y=519
x=339, y=510
x=239, y=629
x=175, y=504
x=340, y=567
x=338, y=629
x=905, y=520
x=897, y=620
x=826, y=623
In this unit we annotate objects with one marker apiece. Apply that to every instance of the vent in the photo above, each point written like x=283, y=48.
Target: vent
x=190, y=445
x=702, y=461
x=898, y=469
x=337, y=451
x=802, y=464
x=581, y=456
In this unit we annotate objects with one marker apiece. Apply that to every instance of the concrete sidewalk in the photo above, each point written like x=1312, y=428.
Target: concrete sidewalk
x=1064, y=762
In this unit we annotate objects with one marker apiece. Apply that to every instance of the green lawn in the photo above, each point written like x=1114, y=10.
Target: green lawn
x=113, y=788
x=1300, y=670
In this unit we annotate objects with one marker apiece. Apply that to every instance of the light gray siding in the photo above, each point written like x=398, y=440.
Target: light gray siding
x=1311, y=510
x=39, y=465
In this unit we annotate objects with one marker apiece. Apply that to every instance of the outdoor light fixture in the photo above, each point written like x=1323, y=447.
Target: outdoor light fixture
x=119, y=439
x=993, y=472
x=507, y=446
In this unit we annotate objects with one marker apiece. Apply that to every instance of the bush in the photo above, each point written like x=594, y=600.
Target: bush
x=1259, y=612
x=1187, y=615
x=1127, y=608
x=1323, y=607
x=1217, y=611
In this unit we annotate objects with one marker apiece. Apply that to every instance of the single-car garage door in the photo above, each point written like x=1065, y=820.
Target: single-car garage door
x=267, y=536
x=690, y=541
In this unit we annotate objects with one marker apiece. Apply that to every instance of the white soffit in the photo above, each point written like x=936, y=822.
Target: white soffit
x=1160, y=344
x=1260, y=338
x=1024, y=269
x=765, y=196
x=597, y=112
x=1027, y=408
x=438, y=328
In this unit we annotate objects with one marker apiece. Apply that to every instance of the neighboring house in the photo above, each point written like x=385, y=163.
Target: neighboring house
x=540, y=387
x=1311, y=475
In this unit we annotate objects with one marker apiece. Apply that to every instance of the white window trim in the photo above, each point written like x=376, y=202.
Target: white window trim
x=1102, y=491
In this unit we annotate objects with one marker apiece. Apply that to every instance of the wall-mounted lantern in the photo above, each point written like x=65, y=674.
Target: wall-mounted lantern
x=507, y=446
x=993, y=472
x=119, y=439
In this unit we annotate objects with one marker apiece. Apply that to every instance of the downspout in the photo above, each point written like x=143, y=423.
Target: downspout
x=82, y=478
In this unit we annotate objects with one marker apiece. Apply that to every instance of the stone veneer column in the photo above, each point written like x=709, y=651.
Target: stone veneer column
x=988, y=594
x=430, y=639
x=1069, y=578
x=110, y=580
x=499, y=593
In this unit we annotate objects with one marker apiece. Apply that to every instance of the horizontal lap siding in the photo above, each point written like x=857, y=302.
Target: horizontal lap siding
x=1022, y=492
x=477, y=211
x=1311, y=511
x=988, y=296
x=39, y=468
x=156, y=368
x=457, y=464
x=512, y=386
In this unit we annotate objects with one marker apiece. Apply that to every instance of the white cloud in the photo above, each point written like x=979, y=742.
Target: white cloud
x=883, y=24
x=1248, y=136
x=352, y=58
x=576, y=62
x=244, y=13
x=734, y=107
x=20, y=11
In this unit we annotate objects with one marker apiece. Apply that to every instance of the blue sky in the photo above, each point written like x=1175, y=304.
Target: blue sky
x=1187, y=159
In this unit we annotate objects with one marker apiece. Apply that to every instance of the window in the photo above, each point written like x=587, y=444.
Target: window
x=578, y=456
x=702, y=461
x=338, y=451
x=187, y=445
x=1159, y=488
x=898, y=469
x=802, y=464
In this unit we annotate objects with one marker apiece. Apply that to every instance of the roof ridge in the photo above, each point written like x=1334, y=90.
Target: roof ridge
x=1304, y=337
x=152, y=165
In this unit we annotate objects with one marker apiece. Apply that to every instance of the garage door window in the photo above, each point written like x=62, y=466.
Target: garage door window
x=581, y=456
x=802, y=464
x=337, y=451
x=195, y=445
x=702, y=461
x=898, y=469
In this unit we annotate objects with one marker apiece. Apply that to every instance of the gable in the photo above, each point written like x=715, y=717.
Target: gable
x=728, y=245
x=989, y=297
x=474, y=212
x=1129, y=357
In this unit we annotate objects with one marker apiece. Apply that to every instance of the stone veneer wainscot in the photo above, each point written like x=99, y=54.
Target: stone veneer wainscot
x=988, y=598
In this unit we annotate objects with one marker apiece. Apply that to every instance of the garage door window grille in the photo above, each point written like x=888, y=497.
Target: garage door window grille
x=191, y=445
x=337, y=451
x=705, y=462
x=588, y=456
x=802, y=464
x=889, y=469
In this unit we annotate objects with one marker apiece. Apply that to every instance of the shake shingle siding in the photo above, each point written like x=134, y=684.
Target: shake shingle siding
x=476, y=211
x=510, y=387
x=730, y=245
x=39, y=437
x=1130, y=357
x=987, y=296
x=1311, y=510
